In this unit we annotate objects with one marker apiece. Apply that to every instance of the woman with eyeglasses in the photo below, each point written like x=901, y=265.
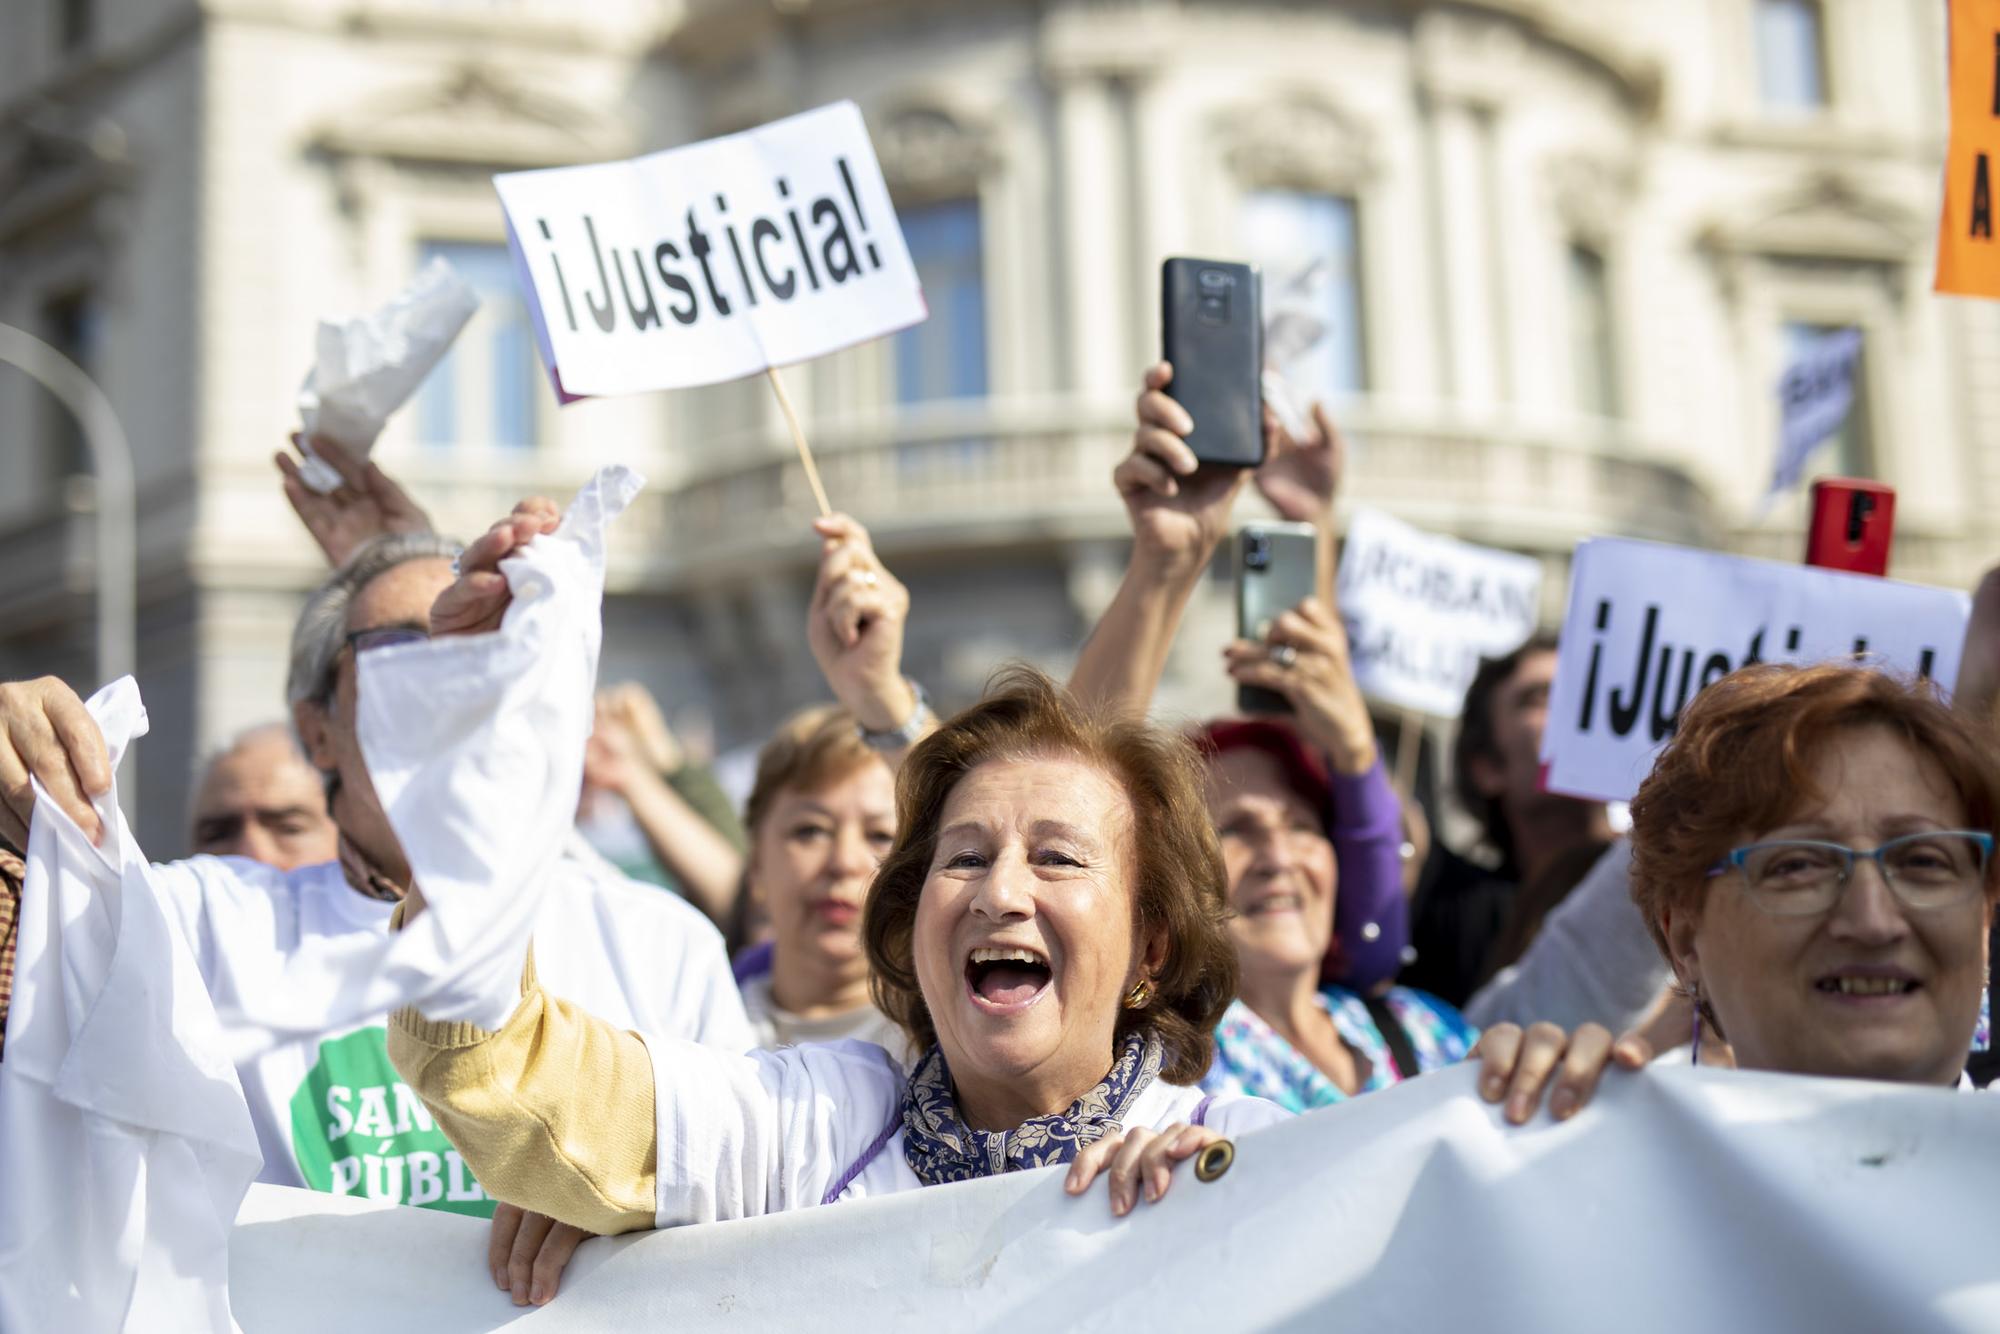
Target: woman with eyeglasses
x=1813, y=855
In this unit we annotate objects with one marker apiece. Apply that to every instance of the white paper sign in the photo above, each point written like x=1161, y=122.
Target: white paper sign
x=1422, y=610
x=1649, y=625
x=711, y=261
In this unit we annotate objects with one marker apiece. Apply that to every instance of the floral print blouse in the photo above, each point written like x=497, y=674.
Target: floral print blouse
x=1251, y=1058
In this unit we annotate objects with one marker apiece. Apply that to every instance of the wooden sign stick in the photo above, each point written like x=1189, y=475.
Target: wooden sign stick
x=1409, y=747
x=799, y=439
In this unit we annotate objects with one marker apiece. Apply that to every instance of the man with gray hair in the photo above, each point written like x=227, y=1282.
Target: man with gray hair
x=329, y=1110
x=258, y=798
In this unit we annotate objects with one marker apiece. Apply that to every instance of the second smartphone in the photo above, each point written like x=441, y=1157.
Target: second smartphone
x=1277, y=568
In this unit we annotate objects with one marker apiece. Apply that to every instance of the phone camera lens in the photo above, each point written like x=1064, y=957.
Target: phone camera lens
x=1257, y=551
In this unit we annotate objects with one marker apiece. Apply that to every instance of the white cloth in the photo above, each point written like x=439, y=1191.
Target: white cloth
x=125, y=1147
x=774, y=1130
x=331, y=1112
x=125, y=1144
x=1680, y=1201
x=364, y=369
x=1592, y=962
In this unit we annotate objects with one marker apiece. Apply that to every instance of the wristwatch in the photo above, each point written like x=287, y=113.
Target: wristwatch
x=900, y=738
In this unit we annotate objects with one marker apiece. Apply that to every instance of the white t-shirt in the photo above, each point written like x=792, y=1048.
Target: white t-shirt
x=776, y=1130
x=775, y=1026
x=331, y=1113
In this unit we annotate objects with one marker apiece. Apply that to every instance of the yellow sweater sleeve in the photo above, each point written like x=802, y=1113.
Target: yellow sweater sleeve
x=553, y=1113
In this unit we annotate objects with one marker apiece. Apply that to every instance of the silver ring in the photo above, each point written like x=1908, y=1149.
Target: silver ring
x=869, y=579
x=1284, y=655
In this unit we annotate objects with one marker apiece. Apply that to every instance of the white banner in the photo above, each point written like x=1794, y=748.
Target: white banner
x=1422, y=610
x=1649, y=625
x=1683, y=1200
x=714, y=260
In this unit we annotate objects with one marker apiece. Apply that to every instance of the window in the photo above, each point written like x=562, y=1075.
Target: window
x=485, y=391
x=945, y=356
x=73, y=325
x=1308, y=249
x=1791, y=55
x=1850, y=452
x=1593, y=344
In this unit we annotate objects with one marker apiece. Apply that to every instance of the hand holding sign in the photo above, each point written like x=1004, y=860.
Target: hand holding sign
x=855, y=627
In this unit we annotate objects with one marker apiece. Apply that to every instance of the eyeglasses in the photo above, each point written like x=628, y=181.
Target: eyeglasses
x=385, y=636
x=1801, y=877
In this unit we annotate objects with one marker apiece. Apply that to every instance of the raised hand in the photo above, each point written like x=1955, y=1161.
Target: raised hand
x=47, y=733
x=855, y=626
x=632, y=707
x=1978, y=690
x=1305, y=658
x=1301, y=477
x=1179, y=509
x=477, y=602
x=366, y=505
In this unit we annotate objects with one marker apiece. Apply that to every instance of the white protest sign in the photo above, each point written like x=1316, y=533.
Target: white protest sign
x=1648, y=626
x=711, y=261
x=1814, y=398
x=1422, y=610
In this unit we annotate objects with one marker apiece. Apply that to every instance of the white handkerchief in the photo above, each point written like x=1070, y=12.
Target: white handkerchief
x=366, y=368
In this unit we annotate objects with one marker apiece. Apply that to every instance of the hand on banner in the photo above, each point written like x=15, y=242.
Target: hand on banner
x=1515, y=1066
x=477, y=602
x=47, y=733
x=1305, y=658
x=856, y=624
x=1179, y=510
x=368, y=503
x=1140, y=1162
x=1301, y=478
x=527, y=1253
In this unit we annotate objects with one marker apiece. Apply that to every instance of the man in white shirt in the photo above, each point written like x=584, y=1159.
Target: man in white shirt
x=329, y=1110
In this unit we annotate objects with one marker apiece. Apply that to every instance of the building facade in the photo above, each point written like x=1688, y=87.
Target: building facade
x=1563, y=249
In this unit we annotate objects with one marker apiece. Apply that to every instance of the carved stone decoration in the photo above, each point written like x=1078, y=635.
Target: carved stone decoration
x=926, y=152
x=1827, y=216
x=1592, y=197
x=1297, y=142
x=476, y=115
x=54, y=165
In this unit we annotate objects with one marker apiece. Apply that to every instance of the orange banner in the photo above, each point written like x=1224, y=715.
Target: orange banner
x=1968, y=255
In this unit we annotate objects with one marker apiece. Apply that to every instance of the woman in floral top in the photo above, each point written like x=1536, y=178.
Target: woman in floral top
x=1296, y=833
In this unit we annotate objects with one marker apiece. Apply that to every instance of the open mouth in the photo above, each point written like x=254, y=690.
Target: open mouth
x=1867, y=988
x=1007, y=978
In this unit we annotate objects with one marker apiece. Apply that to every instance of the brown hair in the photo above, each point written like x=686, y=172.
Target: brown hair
x=811, y=749
x=1742, y=759
x=1179, y=885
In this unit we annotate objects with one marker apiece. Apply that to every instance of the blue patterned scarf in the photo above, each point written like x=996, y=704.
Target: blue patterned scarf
x=940, y=1147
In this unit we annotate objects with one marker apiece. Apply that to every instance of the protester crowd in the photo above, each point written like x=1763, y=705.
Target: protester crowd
x=1048, y=929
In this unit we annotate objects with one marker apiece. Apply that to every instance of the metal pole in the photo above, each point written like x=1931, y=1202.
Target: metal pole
x=116, y=533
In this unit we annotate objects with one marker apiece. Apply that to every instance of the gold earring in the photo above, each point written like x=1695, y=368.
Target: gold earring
x=1141, y=992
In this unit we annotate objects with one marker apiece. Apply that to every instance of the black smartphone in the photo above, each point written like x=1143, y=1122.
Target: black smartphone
x=1212, y=329
x=1277, y=568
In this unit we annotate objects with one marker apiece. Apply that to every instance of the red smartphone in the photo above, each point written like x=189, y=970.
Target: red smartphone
x=1852, y=521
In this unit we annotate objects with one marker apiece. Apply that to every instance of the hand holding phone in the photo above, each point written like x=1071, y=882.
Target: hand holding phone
x=1277, y=568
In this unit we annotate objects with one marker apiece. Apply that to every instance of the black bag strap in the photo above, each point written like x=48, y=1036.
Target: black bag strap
x=1402, y=1054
